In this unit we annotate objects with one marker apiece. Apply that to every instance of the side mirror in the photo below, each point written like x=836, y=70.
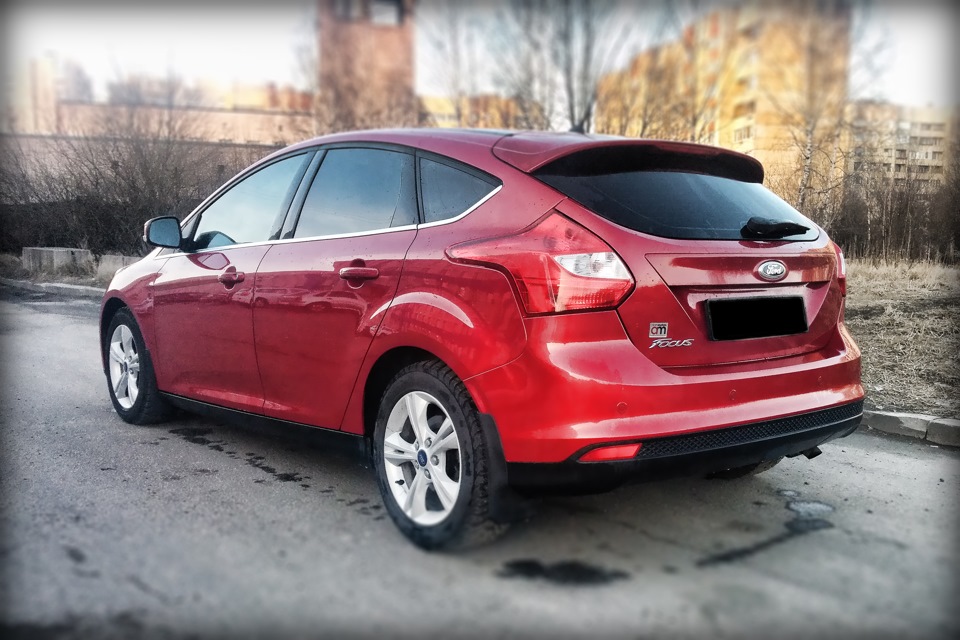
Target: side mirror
x=163, y=232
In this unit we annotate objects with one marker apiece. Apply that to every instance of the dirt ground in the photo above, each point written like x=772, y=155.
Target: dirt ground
x=906, y=319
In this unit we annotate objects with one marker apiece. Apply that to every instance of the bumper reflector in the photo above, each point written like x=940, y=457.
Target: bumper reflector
x=615, y=452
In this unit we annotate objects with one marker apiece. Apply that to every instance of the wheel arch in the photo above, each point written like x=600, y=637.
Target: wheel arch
x=381, y=373
x=109, y=309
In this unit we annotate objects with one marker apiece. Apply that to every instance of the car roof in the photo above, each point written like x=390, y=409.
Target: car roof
x=530, y=150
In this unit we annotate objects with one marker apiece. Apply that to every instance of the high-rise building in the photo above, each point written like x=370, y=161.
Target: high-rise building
x=915, y=145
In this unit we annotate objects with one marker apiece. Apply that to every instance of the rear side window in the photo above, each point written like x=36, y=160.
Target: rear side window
x=674, y=204
x=357, y=190
x=447, y=192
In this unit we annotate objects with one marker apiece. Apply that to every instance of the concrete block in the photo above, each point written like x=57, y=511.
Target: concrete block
x=904, y=424
x=109, y=263
x=53, y=259
x=945, y=431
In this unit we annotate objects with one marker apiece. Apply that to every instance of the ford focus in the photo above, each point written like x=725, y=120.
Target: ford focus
x=496, y=314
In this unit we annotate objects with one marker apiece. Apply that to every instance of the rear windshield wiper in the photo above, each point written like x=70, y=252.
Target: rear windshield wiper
x=757, y=227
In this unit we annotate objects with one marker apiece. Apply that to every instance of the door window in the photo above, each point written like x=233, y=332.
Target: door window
x=357, y=190
x=250, y=211
x=448, y=192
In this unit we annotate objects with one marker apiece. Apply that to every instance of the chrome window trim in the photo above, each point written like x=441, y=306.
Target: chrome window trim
x=338, y=236
x=335, y=236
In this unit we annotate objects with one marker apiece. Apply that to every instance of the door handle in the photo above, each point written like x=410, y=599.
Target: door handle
x=359, y=273
x=231, y=277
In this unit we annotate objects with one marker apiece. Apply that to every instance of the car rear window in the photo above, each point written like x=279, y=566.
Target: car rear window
x=674, y=204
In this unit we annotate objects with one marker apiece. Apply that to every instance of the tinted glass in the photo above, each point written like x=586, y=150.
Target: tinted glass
x=359, y=190
x=678, y=205
x=448, y=192
x=249, y=211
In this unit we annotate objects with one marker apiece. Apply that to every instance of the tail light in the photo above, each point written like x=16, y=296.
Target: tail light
x=615, y=452
x=556, y=265
x=841, y=269
x=841, y=280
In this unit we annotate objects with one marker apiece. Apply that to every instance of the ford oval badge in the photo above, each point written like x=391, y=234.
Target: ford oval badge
x=772, y=270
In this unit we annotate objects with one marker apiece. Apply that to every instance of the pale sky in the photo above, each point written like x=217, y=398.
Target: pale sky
x=922, y=52
x=256, y=43
x=246, y=43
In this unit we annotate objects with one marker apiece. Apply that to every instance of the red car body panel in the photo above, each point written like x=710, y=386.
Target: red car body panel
x=297, y=342
x=581, y=383
x=313, y=327
x=204, y=328
x=464, y=315
x=131, y=287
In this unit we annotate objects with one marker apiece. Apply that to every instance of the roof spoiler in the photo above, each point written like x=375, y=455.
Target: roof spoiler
x=573, y=154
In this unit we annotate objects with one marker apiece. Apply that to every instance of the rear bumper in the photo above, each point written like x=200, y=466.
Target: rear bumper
x=581, y=383
x=692, y=454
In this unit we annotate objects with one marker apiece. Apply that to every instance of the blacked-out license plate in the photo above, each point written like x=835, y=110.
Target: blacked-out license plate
x=742, y=318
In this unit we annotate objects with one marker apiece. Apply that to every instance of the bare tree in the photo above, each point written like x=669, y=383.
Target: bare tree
x=115, y=165
x=897, y=204
x=810, y=102
x=671, y=87
x=551, y=54
x=454, y=31
x=519, y=45
x=636, y=101
x=697, y=68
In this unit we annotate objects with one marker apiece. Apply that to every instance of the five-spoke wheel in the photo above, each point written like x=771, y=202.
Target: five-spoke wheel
x=124, y=366
x=431, y=459
x=421, y=458
x=130, y=379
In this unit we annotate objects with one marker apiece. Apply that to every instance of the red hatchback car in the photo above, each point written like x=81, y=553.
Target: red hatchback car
x=496, y=313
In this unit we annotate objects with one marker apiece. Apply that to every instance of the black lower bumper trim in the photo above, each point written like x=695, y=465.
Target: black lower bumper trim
x=692, y=454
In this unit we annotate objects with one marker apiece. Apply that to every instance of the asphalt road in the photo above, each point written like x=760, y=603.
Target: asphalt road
x=193, y=528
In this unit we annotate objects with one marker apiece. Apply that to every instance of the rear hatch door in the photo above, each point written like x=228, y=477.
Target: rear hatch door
x=709, y=291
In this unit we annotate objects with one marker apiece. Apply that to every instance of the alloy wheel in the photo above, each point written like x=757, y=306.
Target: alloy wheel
x=124, y=366
x=421, y=458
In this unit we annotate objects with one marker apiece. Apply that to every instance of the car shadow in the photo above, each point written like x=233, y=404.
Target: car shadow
x=670, y=526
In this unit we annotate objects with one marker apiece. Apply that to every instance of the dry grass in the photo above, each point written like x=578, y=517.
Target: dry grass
x=10, y=267
x=904, y=316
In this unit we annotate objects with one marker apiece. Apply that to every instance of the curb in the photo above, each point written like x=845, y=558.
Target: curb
x=71, y=290
x=941, y=431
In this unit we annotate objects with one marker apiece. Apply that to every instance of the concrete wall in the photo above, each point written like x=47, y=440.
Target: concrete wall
x=51, y=259
x=60, y=259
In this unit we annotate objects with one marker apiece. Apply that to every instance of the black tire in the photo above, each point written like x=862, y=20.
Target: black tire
x=148, y=407
x=746, y=470
x=467, y=523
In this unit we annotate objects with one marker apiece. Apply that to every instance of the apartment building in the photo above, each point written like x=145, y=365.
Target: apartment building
x=905, y=144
